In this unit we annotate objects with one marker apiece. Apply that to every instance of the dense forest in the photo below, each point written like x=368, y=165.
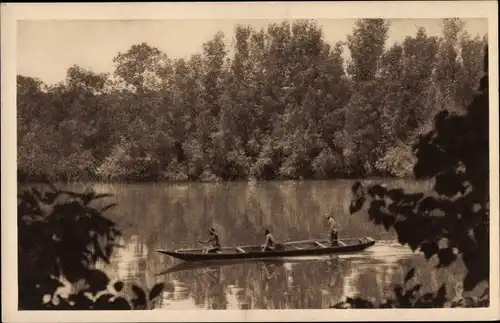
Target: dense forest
x=279, y=103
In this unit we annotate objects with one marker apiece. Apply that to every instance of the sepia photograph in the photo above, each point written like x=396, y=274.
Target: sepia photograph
x=249, y=162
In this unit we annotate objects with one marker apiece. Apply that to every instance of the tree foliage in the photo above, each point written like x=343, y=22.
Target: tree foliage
x=278, y=103
x=61, y=239
x=451, y=223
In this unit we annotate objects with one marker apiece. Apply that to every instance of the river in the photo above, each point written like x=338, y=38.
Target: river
x=171, y=215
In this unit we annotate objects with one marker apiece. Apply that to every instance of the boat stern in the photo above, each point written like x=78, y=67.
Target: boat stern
x=370, y=241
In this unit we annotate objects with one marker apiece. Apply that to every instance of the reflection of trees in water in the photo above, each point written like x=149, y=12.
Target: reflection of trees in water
x=272, y=287
x=208, y=287
x=129, y=264
x=216, y=298
x=175, y=214
x=302, y=284
x=197, y=287
x=239, y=211
x=313, y=280
x=452, y=276
x=174, y=291
x=309, y=284
x=296, y=204
x=335, y=272
x=374, y=279
x=259, y=198
x=265, y=285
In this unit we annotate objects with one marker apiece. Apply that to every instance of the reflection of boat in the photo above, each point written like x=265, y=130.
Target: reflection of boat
x=287, y=249
x=215, y=264
x=193, y=265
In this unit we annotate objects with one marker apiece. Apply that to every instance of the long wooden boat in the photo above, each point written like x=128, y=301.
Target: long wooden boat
x=288, y=249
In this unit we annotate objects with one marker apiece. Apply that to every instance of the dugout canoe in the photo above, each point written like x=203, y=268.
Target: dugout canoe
x=288, y=249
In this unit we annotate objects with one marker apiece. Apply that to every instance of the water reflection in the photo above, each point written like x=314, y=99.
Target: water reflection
x=170, y=216
x=307, y=283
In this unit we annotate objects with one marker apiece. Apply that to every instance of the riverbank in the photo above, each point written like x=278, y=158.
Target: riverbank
x=25, y=179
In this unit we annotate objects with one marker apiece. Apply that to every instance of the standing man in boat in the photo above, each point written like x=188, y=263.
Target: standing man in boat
x=270, y=244
x=213, y=240
x=334, y=234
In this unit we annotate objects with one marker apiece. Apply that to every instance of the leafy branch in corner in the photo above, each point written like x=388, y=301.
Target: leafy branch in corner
x=451, y=222
x=61, y=238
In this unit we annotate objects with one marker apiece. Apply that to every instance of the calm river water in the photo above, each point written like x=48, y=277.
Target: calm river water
x=168, y=216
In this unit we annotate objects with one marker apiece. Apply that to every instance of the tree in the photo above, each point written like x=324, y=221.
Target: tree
x=207, y=121
x=82, y=79
x=30, y=116
x=143, y=67
x=418, y=63
x=237, y=108
x=366, y=45
x=449, y=67
x=470, y=56
x=304, y=102
x=408, y=87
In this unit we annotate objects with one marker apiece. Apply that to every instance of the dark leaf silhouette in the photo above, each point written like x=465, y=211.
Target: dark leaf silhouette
x=121, y=303
x=395, y=194
x=441, y=292
x=108, y=251
x=377, y=191
x=97, y=281
x=69, y=242
x=355, y=206
x=356, y=188
x=104, y=302
x=80, y=302
x=140, y=301
x=388, y=221
x=138, y=292
x=471, y=280
x=73, y=268
x=415, y=288
x=446, y=256
x=51, y=285
x=429, y=249
x=410, y=274
x=118, y=286
x=156, y=290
